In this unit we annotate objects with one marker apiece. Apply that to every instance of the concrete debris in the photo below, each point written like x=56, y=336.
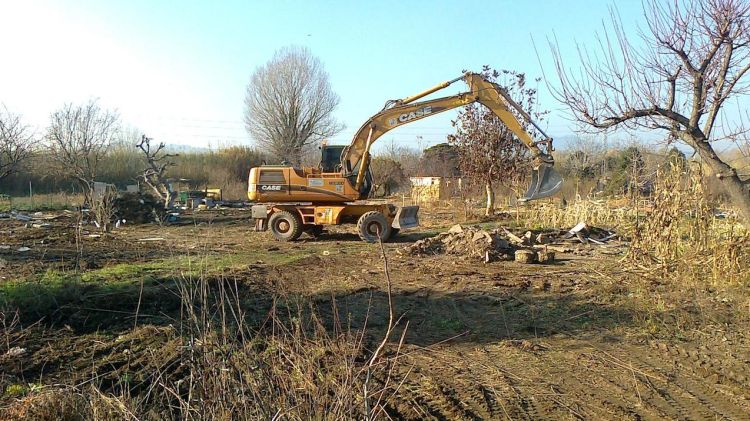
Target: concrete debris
x=21, y=217
x=501, y=244
x=525, y=256
x=456, y=229
x=585, y=233
x=16, y=352
x=460, y=240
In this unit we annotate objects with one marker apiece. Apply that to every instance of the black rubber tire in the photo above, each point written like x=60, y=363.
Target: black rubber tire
x=370, y=224
x=285, y=226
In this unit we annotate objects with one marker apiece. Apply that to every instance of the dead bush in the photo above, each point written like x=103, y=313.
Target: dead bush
x=684, y=236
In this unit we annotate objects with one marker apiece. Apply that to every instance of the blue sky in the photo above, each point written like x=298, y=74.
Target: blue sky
x=177, y=70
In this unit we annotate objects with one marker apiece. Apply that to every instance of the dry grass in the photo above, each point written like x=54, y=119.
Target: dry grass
x=47, y=202
x=683, y=239
x=213, y=365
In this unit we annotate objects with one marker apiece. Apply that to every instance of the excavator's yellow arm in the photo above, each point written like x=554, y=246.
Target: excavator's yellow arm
x=545, y=181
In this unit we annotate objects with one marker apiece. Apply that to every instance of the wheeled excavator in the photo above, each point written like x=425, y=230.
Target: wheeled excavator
x=292, y=200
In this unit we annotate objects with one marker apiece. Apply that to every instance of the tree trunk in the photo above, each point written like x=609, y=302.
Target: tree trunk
x=171, y=197
x=490, y=198
x=738, y=193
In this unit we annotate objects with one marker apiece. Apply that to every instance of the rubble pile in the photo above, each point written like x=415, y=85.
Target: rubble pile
x=137, y=208
x=466, y=241
x=500, y=243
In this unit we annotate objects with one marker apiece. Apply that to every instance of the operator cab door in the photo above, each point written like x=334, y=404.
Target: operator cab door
x=330, y=158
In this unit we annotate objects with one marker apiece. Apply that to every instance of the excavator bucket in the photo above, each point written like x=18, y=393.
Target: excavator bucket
x=406, y=217
x=545, y=181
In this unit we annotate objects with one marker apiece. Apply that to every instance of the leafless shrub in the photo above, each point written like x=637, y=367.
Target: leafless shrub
x=103, y=208
x=79, y=137
x=16, y=143
x=154, y=175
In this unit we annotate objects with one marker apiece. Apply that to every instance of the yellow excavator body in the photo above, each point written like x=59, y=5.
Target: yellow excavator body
x=304, y=199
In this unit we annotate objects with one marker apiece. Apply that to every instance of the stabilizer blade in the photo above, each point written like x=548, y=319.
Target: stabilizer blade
x=406, y=217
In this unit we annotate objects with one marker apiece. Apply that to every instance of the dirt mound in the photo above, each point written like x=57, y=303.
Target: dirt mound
x=465, y=241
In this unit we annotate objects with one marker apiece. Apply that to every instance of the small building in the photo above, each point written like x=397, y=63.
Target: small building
x=432, y=189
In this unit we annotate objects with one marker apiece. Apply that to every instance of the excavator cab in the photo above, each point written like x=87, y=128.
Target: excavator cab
x=330, y=161
x=330, y=157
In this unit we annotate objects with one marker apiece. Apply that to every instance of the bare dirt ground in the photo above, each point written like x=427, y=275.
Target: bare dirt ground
x=572, y=340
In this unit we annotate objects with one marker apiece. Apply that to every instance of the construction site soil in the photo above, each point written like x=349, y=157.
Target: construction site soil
x=495, y=340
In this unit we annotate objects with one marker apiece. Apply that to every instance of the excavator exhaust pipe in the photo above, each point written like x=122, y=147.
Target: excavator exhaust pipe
x=545, y=181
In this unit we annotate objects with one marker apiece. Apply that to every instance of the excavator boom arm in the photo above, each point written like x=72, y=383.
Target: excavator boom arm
x=545, y=181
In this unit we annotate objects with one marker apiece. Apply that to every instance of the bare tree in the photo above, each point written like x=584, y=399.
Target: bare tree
x=585, y=158
x=289, y=104
x=441, y=160
x=16, y=143
x=388, y=175
x=693, y=57
x=489, y=154
x=79, y=137
x=154, y=175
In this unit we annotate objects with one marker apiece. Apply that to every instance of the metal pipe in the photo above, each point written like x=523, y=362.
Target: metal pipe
x=429, y=91
x=365, y=162
x=520, y=110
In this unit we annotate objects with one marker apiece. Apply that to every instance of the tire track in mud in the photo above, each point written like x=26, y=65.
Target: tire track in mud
x=653, y=402
x=606, y=398
x=579, y=381
x=676, y=392
x=695, y=387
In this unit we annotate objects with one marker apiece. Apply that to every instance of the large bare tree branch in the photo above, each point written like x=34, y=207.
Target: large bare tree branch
x=693, y=57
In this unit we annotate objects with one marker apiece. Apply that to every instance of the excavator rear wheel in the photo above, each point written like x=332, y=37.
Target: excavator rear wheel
x=285, y=226
x=373, y=224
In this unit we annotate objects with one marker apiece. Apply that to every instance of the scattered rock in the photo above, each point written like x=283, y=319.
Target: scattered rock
x=456, y=229
x=525, y=256
x=16, y=352
x=545, y=256
x=492, y=245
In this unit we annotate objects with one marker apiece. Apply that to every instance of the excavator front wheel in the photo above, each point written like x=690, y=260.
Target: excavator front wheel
x=285, y=226
x=373, y=224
